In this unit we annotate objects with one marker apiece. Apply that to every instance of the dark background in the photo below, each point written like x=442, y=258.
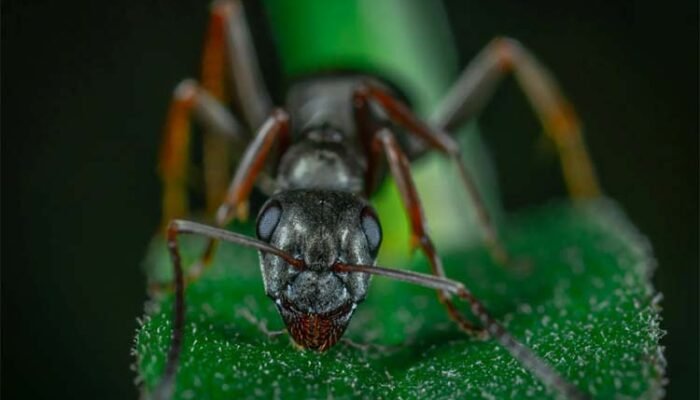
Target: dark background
x=84, y=93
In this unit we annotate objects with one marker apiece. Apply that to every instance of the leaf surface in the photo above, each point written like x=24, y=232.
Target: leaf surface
x=585, y=305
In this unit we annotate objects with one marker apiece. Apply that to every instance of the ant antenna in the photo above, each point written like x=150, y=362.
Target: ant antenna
x=165, y=388
x=520, y=352
x=525, y=356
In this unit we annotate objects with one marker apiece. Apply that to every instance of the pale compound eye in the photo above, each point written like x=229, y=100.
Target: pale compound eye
x=268, y=219
x=372, y=229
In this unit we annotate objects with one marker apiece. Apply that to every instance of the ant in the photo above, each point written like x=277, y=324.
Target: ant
x=317, y=235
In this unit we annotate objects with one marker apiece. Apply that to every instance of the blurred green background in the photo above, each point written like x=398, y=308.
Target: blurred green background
x=84, y=92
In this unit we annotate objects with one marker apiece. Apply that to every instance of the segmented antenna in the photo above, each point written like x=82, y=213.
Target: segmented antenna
x=166, y=386
x=520, y=352
x=165, y=389
x=537, y=366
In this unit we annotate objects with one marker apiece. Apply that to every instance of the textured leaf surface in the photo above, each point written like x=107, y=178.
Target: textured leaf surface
x=585, y=305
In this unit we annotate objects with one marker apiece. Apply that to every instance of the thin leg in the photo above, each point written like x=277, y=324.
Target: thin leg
x=478, y=82
x=188, y=99
x=216, y=157
x=242, y=62
x=216, y=152
x=439, y=140
x=520, y=352
x=228, y=53
x=235, y=204
x=400, y=170
x=275, y=129
x=366, y=127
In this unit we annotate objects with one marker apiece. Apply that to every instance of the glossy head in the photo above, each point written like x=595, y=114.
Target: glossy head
x=320, y=228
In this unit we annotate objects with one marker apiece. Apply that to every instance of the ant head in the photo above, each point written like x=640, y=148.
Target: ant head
x=320, y=228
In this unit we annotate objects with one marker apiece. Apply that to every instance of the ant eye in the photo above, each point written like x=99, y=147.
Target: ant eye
x=268, y=220
x=372, y=230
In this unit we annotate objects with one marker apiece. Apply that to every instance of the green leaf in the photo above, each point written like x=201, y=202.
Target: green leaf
x=586, y=306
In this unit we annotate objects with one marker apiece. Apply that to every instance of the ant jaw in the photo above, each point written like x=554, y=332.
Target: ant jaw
x=315, y=331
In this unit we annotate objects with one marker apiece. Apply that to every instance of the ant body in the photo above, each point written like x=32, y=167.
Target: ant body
x=317, y=235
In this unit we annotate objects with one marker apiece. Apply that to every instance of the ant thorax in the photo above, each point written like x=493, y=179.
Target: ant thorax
x=327, y=149
x=323, y=163
x=321, y=228
x=325, y=153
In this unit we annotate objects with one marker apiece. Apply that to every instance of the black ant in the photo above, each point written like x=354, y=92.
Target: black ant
x=317, y=235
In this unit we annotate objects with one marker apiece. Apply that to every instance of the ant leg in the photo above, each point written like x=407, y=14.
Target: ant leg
x=366, y=127
x=216, y=158
x=165, y=387
x=275, y=128
x=495, y=330
x=477, y=83
x=400, y=170
x=189, y=99
x=228, y=52
x=439, y=140
x=235, y=48
x=227, y=44
x=235, y=204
